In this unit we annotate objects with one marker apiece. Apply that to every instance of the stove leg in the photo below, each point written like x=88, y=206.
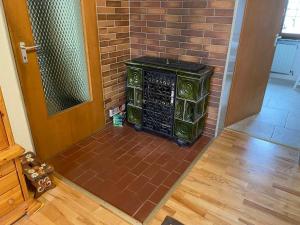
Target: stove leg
x=138, y=127
x=182, y=143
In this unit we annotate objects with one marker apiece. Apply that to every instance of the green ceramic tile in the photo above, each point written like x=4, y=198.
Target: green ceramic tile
x=130, y=96
x=188, y=88
x=190, y=112
x=138, y=98
x=185, y=131
x=134, y=115
x=206, y=85
x=200, y=125
x=134, y=77
x=201, y=108
x=193, y=111
x=179, y=109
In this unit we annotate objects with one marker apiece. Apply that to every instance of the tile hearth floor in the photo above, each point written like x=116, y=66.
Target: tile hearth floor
x=130, y=170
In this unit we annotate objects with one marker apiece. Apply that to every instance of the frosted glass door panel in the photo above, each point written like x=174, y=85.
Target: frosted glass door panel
x=58, y=31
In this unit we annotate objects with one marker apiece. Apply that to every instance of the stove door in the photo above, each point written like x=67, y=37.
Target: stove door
x=158, y=101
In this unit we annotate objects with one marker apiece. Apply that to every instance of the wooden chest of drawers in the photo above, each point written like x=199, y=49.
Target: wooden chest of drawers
x=14, y=198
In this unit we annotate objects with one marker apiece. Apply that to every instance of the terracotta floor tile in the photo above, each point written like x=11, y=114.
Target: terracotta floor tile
x=144, y=211
x=103, y=149
x=171, y=179
x=70, y=151
x=85, y=177
x=140, y=168
x=123, y=159
x=93, y=144
x=182, y=167
x=126, y=180
x=76, y=155
x=133, y=151
x=133, y=162
x=144, y=152
x=159, y=177
x=139, y=182
x=85, y=157
x=171, y=164
x=146, y=191
x=157, y=196
x=85, y=141
x=151, y=171
x=127, y=201
x=73, y=171
x=163, y=159
x=153, y=156
x=131, y=170
x=105, y=190
x=118, y=173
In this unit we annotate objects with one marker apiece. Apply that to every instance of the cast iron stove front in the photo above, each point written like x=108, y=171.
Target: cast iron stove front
x=159, y=101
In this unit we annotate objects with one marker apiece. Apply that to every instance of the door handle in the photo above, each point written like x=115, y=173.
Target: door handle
x=25, y=49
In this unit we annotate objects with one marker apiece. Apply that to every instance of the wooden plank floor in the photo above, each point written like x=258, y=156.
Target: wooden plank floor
x=239, y=180
x=64, y=206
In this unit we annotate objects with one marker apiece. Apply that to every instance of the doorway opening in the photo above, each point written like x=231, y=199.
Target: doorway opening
x=277, y=119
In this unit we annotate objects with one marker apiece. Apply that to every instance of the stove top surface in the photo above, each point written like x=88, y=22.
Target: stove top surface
x=170, y=63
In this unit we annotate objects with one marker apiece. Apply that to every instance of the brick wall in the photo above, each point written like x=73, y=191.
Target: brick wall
x=113, y=30
x=190, y=30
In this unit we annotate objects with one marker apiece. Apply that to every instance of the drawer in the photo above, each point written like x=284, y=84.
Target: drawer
x=10, y=200
x=8, y=182
x=7, y=168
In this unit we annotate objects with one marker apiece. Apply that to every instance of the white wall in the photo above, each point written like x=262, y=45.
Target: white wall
x=10, y=87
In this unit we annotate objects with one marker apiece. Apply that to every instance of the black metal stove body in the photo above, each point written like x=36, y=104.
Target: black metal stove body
x=159, y=88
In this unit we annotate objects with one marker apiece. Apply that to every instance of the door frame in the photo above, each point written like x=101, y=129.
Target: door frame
x=227, y=79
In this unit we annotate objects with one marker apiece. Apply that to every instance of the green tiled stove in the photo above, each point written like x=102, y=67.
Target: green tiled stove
x=168, y=97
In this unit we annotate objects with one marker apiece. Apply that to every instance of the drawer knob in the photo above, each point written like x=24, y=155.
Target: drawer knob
x=11, y=201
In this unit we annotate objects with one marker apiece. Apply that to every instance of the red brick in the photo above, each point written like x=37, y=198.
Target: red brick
x=193, y=30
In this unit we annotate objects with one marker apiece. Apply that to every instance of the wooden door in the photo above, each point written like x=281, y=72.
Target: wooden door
x=52, y=133
x=262, y=21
